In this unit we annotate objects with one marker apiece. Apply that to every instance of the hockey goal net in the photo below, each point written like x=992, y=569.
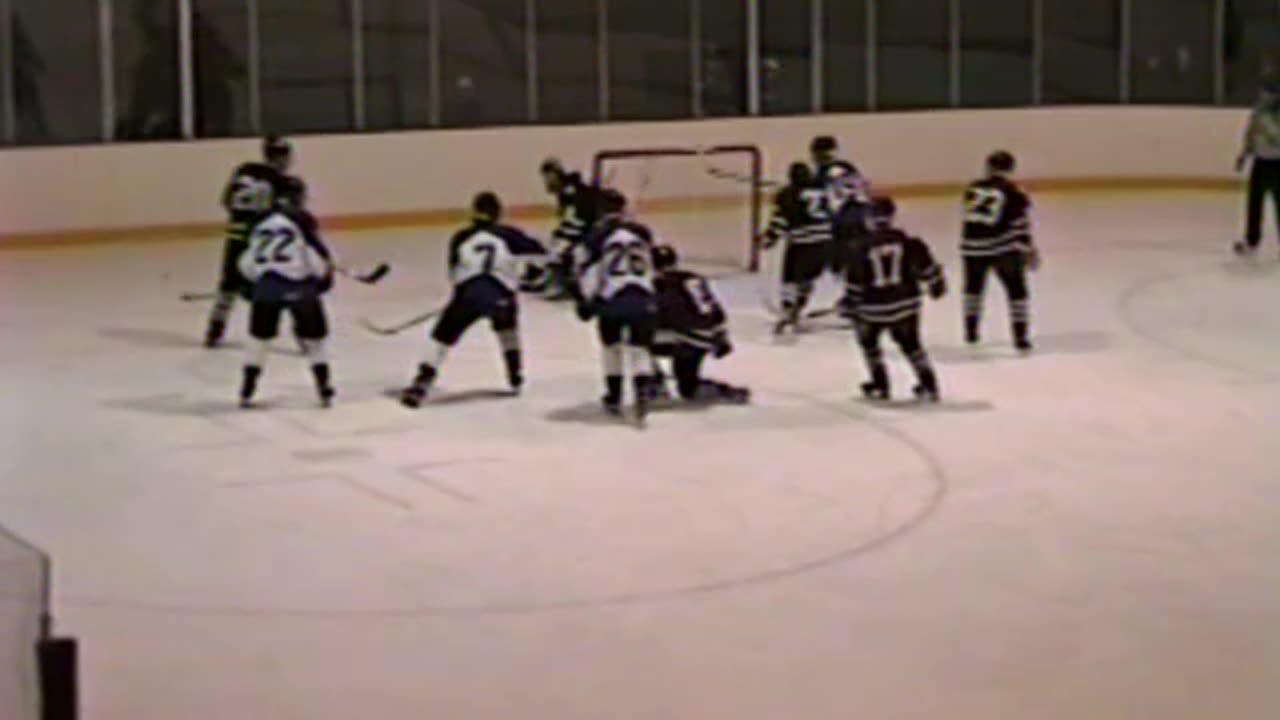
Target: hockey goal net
x=704, y=202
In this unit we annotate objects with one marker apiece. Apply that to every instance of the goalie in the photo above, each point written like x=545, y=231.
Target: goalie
x=691, y=325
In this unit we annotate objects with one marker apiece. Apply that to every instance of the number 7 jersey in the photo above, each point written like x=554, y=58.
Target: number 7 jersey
x=885, y=273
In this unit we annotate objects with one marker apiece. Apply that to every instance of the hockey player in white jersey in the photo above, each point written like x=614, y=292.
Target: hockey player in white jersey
x=618, y=289
x=289, y=268
x=486, y=261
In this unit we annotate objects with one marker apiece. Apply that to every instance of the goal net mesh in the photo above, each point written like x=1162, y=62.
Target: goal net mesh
x=704, y=202
x=24, y=577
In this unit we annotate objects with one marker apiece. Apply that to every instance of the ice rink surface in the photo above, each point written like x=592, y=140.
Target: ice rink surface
x=1089, y=532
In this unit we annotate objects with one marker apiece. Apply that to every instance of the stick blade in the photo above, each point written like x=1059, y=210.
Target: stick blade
x=375, y=274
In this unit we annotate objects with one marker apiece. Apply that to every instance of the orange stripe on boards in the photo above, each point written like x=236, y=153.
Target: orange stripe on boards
x=454, y=216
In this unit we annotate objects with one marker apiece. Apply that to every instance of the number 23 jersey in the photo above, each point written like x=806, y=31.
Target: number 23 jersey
x=885, y=275
x=995, y=219
x=285, y=244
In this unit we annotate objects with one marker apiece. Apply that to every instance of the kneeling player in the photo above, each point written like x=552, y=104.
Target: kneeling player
x=691, y=325
x=884, y=278
x=290, y=268
x=486, y=260
x=801, y=217
x=617, y=287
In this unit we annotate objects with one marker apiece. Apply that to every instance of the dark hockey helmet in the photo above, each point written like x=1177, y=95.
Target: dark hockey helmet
x=291, y=191
x=1001, y=161
x=612, y=201
x=553, y=174
x=665, y=257
x=486, y=206
x=823, y=144
x=882, y=210
x=276, y=150
x=799, y=174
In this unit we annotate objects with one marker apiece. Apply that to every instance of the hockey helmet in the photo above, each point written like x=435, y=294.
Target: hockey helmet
x=882, y=210
x=823, y=144
x=1001, y=161
x=665, y=257
x=487, y=206
x=612, y=201
x=553, y=174
x=276, y=149
x=799, y=174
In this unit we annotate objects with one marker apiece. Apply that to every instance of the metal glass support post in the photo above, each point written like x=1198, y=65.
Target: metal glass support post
x=530, y=59
x=435, y=112
x=1219, y=52
x=254, y=58
x=1126, y=50
x=602, y=58
x=695, y=58
x=1037, y=52
x=954, y=68
x=107, y=70
x=873, y=84
x=358, y=89
x=186, y=69
x=10, y=102
x=818, y=53
x=753, y=57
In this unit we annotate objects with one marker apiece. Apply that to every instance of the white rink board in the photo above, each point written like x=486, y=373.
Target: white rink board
x=1088, y=532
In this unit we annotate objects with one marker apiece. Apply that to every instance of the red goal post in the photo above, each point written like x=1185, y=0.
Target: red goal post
x=707, y=202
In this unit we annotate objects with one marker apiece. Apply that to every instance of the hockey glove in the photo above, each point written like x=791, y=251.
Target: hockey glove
x=722, y=346
x=1032, y=258
x=586, y=310
x=938, y=288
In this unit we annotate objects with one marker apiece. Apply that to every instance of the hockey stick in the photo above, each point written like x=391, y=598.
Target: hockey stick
x=368, y=278
x=397, y=329
x=197, y=296
x=722, y=174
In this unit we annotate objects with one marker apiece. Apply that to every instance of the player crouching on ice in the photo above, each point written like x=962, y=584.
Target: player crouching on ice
x=486, y=261
x=691, y=325
x=289, y=269
x=885, y=273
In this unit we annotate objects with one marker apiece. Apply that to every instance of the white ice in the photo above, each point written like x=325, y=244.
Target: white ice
x=1089, y=532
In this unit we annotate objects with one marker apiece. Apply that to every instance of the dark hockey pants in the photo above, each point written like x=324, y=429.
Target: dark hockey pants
x=1263, y=180
x=906, y=334
x=1010, y=267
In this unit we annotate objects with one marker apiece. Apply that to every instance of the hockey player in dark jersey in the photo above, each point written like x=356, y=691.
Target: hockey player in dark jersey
x=486, y=261
x=691, y=326
x=248, y=197
x=577, y=206
x=618, y=289
x=289, y=269
x=848, y=195
x=801, y=218
x=885, y=273
x=997, y=236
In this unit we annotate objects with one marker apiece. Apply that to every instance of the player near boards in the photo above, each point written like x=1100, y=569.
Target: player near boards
x=691, y=326
x=577, y=207
x=249, y=195
x=486, y=261
x=618, y=291
x=884, y=273
x=1262, y=145
x=802, y=219
x=289, y=269
x=997, y=236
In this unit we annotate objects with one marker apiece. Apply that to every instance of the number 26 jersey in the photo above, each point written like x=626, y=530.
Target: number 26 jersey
x=621, y=257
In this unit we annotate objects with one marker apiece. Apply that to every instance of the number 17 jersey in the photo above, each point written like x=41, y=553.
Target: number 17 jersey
x=885, y=273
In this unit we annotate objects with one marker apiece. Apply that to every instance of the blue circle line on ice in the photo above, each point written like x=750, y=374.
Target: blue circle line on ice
x=935, y=475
